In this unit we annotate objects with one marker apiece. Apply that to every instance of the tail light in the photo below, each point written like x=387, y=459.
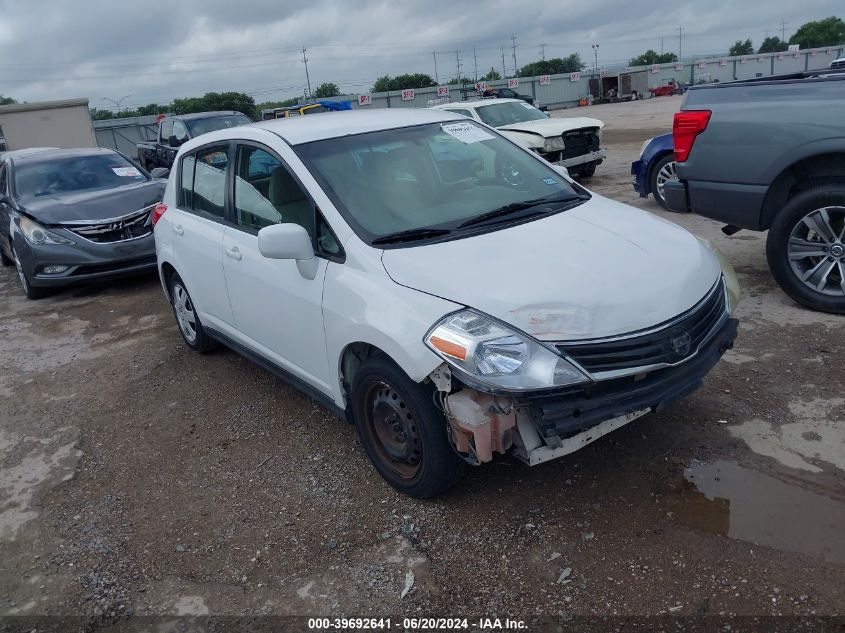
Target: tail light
x=159, y=210
x=688, y=124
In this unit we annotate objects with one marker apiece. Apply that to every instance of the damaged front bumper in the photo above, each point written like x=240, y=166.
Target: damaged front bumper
x=541, y=426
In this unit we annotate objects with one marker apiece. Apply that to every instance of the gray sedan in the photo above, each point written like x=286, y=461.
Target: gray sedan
x=75, y=215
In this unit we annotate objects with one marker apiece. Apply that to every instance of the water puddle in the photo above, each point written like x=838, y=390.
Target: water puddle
x=740, y=503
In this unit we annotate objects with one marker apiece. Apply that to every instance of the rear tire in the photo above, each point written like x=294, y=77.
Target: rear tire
x=806, y=248
x=190, y=326
x=402, y=431
x=661, y=171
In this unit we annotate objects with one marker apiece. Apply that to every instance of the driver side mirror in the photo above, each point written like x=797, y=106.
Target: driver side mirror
x=289, y=241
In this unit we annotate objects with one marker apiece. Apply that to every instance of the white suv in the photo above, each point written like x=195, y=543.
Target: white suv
x=447, y=290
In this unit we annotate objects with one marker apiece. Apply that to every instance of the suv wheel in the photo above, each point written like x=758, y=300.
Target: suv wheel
x=31, y=292
x=187, y=318
x=402, y=431
x=661, y=171
x=806, y=248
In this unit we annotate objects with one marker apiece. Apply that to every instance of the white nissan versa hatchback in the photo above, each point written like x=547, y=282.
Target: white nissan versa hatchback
x=447, y=290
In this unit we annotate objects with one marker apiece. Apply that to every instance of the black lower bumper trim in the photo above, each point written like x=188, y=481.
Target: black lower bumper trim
x=583, y=408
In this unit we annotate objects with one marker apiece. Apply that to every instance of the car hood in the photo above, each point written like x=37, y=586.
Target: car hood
x=94, y=205
x=600, y=269
x=553, y=127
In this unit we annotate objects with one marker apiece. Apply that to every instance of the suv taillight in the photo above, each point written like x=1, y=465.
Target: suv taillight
x=159, y=210
x=688, y=124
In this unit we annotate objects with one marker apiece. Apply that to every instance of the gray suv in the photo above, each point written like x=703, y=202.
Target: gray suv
x=75, y=215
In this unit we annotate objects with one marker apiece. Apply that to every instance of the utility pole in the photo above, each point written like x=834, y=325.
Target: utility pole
x=661, y=46
x=543, y=52
x=307, y=77
x=596, y=57
x=458, y=64
x=504, y=72
x=783, y=31
x=680, y=42
x=513, y=45
x=475, y=59
x=434, y=54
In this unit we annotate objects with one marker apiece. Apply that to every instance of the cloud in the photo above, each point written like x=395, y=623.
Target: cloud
x=155, y=51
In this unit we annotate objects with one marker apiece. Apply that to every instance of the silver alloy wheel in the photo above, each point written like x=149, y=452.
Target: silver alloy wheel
x=185, y=313
x=667, y=172
x=816, y=251
x=21, y=274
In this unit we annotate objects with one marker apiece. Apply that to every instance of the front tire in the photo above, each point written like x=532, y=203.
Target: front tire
x=190, y=326
x=402, y=431
x=806, y=248
x=31, y=292
x=587, y=171
x=661, y=171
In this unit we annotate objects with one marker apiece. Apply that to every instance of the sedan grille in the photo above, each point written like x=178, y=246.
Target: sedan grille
x=580, y=142
x=668, y=344
x=128, y=227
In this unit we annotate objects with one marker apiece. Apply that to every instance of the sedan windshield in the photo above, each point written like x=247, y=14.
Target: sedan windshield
x=499, y=114
x=431, y=180
x=203, y=126
x=52, y=176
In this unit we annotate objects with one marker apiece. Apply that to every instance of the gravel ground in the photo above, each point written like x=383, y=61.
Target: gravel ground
x=139, y=479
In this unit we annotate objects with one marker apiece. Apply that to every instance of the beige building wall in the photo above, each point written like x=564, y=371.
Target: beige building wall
x=63, y=124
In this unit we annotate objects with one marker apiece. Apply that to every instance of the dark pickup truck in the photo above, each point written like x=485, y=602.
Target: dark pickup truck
x=173, y=131
x=769, y=154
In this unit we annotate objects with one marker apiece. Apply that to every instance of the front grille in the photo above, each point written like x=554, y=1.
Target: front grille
x=668, y=344
x=128, y=227
x=580, y=142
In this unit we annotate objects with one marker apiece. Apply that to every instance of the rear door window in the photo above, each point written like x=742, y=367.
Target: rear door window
x=211, y=166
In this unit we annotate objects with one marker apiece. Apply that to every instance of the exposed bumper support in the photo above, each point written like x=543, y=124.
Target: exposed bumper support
x=598, y=155
x=542, y=426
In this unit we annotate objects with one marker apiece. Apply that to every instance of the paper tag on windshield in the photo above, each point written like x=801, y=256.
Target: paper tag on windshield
x=126, y=172
x=466, y=132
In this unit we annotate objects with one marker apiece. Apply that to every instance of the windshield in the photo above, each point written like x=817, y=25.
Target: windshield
x=499, y=114
x=203, y=126
x=75, y=173
x=435, y=176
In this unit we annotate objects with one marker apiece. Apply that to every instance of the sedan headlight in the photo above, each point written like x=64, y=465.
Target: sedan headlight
x=34, y=233
x=498, y=356
x=554, y=144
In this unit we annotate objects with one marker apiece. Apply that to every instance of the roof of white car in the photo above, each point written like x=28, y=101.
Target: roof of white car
x=478, y=103
x=317, y=127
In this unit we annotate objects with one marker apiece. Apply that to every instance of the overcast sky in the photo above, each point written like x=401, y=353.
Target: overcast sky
x=154, y=51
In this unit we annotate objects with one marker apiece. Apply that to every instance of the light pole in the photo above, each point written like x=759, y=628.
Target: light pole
x=596, y=57
x=118, y=103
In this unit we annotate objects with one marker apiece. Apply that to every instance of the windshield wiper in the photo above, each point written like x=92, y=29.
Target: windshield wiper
x=515, y=207
x=409, y=235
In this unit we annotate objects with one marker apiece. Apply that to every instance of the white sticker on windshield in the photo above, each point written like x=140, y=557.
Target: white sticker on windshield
x=466, y=132
x=126, y=172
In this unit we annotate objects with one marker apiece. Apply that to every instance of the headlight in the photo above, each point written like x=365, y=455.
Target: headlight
x=34, y=233
x=498, y=356
x=554, y=144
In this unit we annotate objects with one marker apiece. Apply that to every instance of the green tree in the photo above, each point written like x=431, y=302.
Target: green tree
x=493, y=75
x=151, y=109
x=741, y=48
x=325, y=90
x=652, y=57
x=554, y=66
x=216, y=101
x=463, y=81
x=400, y=82
x=827, y=32
x=267, y=105
x=6, y=100
x=772, y=45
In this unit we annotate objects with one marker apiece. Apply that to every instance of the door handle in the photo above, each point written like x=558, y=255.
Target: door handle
x=177, y=228
x=234, y=252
